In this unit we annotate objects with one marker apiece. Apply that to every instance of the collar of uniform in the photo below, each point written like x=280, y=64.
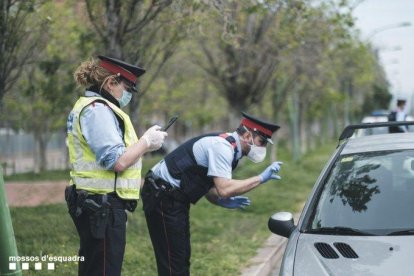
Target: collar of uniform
x=237, y=138
x=92, y=94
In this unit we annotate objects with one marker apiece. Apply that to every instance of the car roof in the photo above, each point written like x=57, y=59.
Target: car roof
x=394, y=141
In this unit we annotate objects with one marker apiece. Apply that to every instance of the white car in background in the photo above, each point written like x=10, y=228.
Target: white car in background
x=378, y=116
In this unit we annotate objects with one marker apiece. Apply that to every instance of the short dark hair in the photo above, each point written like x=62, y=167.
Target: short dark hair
x=401, y=102
x=241, y=129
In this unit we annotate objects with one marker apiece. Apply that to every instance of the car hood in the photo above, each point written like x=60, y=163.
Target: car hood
x=376, y=255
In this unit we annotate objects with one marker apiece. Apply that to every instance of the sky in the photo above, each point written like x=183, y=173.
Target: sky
x=378, y=21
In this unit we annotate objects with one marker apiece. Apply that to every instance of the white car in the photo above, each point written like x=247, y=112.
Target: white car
x=380, y=118
x=359, y=217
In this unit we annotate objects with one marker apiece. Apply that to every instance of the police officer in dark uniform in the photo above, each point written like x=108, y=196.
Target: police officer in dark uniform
x=105, y=155
x=202, y=166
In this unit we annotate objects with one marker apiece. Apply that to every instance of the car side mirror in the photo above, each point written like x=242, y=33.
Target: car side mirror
x=281, y=224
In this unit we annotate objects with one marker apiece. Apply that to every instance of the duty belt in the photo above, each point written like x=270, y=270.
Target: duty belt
x=163, y=186
x=114, y=201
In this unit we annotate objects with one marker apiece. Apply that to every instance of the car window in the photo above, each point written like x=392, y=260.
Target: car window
x=368, y=191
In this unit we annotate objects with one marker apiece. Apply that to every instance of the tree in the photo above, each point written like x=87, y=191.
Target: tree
x=140, y=32
x=322, y=51
x=18, y=39
x=45, y=92
x=183, y=89
x=241, y=60
x=43, y=104
x=379, y=99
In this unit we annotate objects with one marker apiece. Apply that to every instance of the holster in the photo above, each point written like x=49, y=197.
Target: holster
x=98, y=217
x=74, y=200
x=151, y=193
x=156, y=189
x=131, y=205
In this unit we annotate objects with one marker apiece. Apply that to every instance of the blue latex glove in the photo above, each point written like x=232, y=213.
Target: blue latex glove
x=271, y=172
x=234, y=202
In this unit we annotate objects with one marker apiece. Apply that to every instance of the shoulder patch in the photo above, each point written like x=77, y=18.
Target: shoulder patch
x=229, y=139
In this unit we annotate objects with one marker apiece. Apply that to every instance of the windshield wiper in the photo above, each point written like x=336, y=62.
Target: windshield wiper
x=402, y=232
x=339, y=230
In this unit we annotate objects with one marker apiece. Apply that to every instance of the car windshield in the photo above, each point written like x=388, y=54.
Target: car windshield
x=368, y=192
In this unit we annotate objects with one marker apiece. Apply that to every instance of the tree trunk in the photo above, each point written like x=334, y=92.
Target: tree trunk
x=134, y=113
x=334, y=121
x=302, y=125
x=233, y=120
x=42, y=153
x=279, y=89
x=324, y=128
x=40, y=160
x=113, y=36
x=310, y=139
x=347, y=103
x=36, y=158
x=293, y=117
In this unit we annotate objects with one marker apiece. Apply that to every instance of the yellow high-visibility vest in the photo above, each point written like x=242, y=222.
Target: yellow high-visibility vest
x=86, y=173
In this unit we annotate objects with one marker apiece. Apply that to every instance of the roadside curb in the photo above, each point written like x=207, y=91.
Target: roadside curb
x=268, y=257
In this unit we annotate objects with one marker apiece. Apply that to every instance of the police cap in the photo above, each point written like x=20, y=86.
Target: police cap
x=128, y=72
x=263, y=128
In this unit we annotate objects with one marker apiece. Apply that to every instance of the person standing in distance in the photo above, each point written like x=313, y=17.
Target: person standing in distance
x=105, y=155
x=202, y=166
x=398, y=115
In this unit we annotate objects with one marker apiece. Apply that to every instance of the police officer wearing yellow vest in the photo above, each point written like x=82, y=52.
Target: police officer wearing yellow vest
x=202, y=166
x=105, y=155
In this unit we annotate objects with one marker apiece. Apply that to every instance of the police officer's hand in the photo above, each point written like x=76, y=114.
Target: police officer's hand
x=271, y=172
x=154, y=137
x=234, y=202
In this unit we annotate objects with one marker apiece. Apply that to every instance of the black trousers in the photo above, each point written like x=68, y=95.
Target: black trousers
x=169, y=228
x=102, y=256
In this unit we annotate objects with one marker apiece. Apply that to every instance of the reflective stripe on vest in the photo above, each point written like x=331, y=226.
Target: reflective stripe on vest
x=86, y=173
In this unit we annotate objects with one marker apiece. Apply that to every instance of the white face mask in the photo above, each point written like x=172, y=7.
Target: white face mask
x=256, y=154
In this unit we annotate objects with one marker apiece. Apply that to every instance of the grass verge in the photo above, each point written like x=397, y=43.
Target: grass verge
x=222, y=240
x=53, y=175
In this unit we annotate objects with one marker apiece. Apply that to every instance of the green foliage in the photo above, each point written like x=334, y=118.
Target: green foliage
x=205, y=60
x=222, y=240
x=46, y=90
x=22, y=32
x=196, y=100
x=380, y=99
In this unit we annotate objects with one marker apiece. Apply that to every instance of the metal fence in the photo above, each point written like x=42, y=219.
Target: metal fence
x=19, y=154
